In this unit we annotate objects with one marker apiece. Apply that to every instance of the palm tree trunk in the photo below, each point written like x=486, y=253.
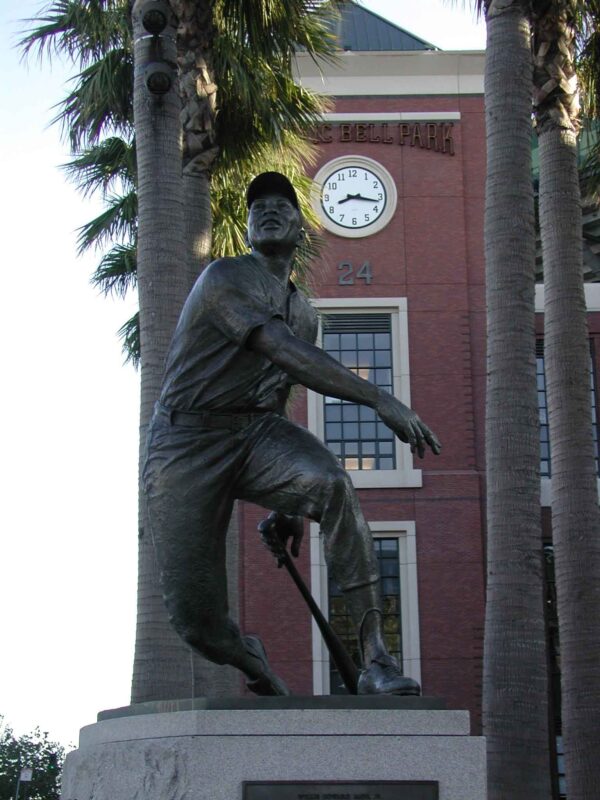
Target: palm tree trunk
x=162, y=661
x=575, y=513
x=198, y=90
x=515, y=688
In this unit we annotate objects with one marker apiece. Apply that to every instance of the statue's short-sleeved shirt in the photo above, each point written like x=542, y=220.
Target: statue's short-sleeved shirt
x=209, y=366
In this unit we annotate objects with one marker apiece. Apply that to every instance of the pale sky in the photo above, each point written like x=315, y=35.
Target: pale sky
x=70, y=411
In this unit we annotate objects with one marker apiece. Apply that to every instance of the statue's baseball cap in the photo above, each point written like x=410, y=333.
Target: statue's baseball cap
x=271, y=183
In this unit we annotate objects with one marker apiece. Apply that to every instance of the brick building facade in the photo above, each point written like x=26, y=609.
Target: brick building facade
x=416, y=117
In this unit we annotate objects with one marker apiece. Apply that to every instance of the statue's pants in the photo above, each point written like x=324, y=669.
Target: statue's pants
x=192, y=477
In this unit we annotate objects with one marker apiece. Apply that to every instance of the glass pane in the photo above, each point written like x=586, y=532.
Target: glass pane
x=383, y=358
x=367, y=463
x=389, y=567
x=351, y=448
x=331, y=341
x=383, y=341
x=349, y=412
x=367, y=414
x=350, y=430
x=368, y=448
x=386, y=463
x=333, y=413
x=365, y=341
x=333, y=430
x=383, y=377
x=391, y=605
x=544, y=450
x=348, y=341
x=383, y=432
x=368, y=430
x=351, y=463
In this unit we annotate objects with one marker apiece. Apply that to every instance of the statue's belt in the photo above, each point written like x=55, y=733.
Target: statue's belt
x=234, y=421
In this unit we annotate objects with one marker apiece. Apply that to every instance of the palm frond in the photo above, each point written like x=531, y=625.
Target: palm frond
x=260, y=101
x=107, y=166
x=80, y=29
x=101, y=102
x=129, y=334
x=270, y=27
x=117, y=271
x=590, y=174
x=588, y=58
x=117, y=222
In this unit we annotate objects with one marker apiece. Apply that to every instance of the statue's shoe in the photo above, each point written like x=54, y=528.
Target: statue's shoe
x=384, y=676
x=268, y=684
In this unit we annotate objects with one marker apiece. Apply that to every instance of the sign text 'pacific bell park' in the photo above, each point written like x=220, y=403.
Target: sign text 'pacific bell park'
x=437, y=136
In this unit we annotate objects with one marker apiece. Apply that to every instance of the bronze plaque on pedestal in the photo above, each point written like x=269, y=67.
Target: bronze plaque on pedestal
x=341, y=790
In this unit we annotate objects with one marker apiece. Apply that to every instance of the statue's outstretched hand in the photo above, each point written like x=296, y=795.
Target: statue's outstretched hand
x=275, y=531
x=407, y=425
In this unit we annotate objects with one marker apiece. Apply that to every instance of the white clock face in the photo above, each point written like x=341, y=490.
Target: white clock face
x=353, y=197
x=357, y=196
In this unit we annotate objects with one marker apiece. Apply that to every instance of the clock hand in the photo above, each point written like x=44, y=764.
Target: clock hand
x=358, y=197
x=348, y=197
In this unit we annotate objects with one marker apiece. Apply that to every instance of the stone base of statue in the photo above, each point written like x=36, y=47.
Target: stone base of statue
x=279, y=748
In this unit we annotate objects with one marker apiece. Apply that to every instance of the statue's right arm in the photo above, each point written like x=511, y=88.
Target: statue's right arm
x=315, y=369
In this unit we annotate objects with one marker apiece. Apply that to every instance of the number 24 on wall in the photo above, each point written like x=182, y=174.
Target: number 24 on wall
x=348, y=275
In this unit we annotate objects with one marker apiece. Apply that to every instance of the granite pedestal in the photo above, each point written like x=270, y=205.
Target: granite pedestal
x=322, y=748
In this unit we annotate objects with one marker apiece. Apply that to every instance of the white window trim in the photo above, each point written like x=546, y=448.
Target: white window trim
x=409, y=599
x=404, y=475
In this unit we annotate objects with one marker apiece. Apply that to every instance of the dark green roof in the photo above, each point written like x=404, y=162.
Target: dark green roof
x=360, y=29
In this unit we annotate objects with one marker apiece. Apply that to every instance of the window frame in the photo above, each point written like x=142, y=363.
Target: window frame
x=405, y=532
x=404, y=475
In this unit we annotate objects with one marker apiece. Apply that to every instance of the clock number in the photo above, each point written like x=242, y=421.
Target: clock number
x=346, y=278
x=332, y=185
x=352, y=173
x=379, y=196
x=367, y=218
x=340, y=176
x=365, y=273
x=342, y=217
x=354, y=221
x=325, y=197
x=376, y=184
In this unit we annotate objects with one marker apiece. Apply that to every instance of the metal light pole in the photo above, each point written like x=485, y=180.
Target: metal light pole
x=25, y=776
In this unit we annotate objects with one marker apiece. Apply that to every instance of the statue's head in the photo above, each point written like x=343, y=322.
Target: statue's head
x=274, y=218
